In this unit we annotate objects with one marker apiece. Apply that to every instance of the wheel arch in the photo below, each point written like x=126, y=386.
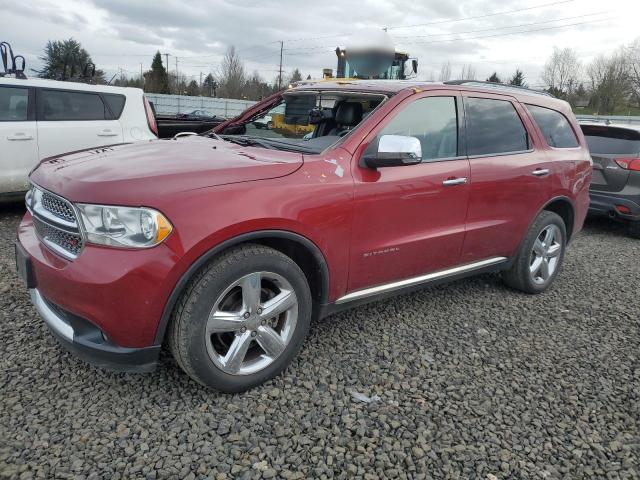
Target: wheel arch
x=564, y=207
x=300, y=249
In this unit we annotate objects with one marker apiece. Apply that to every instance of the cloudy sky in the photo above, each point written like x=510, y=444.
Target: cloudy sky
x=488, y=35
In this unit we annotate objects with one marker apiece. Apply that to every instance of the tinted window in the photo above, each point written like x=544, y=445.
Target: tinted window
x=59, y=105
x=555, y=127
x=13, y=104
x=115, y=102
x=431, y=120
x=494, y=127
x=606, y=140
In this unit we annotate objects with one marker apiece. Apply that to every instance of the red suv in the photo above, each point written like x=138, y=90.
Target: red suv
x=226, y=245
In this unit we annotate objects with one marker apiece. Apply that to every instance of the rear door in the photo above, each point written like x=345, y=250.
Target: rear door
x=606, y=144
x=510, y=178
x=18, y=137
x=70, y=120
x=409, y=220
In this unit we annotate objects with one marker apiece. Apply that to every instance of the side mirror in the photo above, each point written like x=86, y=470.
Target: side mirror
x=395, y=151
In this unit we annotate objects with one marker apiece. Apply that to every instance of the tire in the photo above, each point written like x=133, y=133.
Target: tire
x=269, y=125
x=238, y=348
x=528, y=272
x=634, y=229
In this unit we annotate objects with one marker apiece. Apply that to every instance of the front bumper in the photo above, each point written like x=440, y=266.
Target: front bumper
x=87, y=342
x=106, y=304
x=606, y=204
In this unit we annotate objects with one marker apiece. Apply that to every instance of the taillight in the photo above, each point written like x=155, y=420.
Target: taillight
x=151, y=118
x=629, y=163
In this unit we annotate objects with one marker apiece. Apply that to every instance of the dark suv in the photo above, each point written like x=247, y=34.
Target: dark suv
x=615, y=186
x=226, y=245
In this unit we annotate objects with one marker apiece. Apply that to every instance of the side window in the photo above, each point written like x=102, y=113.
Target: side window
x=493, y=127
x=555, y=127
x=433, y=121
x=14, y=102
x=115, y=102
x=63, y=105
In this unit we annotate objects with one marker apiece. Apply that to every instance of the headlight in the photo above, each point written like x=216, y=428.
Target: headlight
x=123, y=226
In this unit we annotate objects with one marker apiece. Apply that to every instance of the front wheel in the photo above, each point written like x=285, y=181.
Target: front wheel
x=540, y=256
x=242, y=319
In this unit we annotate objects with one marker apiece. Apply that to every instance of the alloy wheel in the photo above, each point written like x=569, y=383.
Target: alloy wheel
x=545, y=256
x=251, y=323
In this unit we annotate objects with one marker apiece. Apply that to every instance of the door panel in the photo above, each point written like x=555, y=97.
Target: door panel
x=74, y=120
x=18, y=138
x=406, y=221
x=507, y=189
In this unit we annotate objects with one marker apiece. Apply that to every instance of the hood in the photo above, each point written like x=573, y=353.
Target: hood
x=136, y=173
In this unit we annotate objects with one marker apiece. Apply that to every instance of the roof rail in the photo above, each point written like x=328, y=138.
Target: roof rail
x=497, y=86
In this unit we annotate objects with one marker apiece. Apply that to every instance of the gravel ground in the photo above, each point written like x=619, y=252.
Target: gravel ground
x=469, y=380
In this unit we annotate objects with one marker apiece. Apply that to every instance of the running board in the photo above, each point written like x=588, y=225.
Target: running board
x=409, y=282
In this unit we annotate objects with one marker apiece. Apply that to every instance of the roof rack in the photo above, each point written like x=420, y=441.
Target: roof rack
x=9, y=62
x=497, y=86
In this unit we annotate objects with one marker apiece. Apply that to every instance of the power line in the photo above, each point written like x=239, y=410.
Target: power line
x=438, y=22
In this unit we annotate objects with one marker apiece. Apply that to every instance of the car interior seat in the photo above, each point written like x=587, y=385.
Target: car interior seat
x=348, y=115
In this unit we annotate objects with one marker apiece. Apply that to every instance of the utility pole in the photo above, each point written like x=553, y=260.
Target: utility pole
x=201, y=80
x=166, y=65
x=280, y=74
x=177, y=81
x=141, y=74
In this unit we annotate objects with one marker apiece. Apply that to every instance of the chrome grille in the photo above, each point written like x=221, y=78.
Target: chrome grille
x=59, y=207
x=68, y=241
x=55, y=222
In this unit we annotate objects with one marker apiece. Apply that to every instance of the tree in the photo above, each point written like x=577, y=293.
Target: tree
x=231, y=77
x=610, y=82
x=193, y=89
x=633, y=59
x=468, y=72
x=518, y=79
x=562, y=71
x=66, y=60
x=209, y=86
x=296, y=76
x=494, y=78
x=156, y=80
x=445, y=72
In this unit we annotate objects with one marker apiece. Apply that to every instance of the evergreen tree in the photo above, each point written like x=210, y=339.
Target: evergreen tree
x=66, y=60
x=209, y=86
x=518, y=79
x=156, y=80
x=494, y=78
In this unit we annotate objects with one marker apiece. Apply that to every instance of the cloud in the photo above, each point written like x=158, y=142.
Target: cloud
x=124, y=33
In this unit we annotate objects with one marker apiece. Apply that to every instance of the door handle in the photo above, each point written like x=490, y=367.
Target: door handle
x=107, y=133
x=20, y=136
x=450, y=182
x=541, y=172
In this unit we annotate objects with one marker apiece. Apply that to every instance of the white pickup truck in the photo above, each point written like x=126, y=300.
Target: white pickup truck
x=42, y=118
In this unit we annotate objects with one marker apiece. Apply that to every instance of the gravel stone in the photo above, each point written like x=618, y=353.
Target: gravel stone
x=475, y=381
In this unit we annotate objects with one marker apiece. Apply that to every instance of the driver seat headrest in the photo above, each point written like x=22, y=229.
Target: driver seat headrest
x=349, y=113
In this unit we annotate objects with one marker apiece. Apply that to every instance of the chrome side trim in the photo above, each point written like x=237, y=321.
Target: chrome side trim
x=51, y=318
x=389, y=287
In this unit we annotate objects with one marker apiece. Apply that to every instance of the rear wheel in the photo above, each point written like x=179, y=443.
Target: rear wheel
x=242, y=319
x=634, y=229
x=541, y=254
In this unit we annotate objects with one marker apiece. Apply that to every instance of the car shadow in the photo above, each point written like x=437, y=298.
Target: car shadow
x=603, y=225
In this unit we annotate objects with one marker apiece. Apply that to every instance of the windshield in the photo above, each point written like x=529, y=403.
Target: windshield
x=306, y=121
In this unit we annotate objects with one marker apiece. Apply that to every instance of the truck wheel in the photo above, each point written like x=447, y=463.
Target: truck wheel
x=634, y=229
x=242, y=319
x=269, y=125
x=540, y=256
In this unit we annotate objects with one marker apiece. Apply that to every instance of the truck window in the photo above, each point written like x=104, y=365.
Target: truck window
x=555, y=127
x=14, y=103
x=494, y=127
x=433, y=121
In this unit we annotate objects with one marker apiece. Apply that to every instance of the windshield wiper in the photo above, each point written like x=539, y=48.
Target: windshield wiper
x=246, y=141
